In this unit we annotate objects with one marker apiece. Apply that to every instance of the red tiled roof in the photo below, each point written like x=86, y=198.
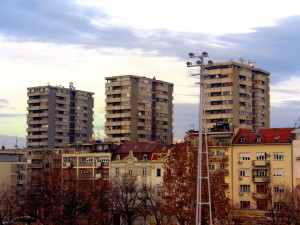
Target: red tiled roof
x=267, y=135
x=139, y=149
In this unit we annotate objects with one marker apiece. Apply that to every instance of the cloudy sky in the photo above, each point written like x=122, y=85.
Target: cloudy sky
x=82, y=41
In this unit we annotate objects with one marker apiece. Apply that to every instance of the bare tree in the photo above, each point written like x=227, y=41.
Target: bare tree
x=10, y=209
x=154, y=203
x=127, y=201
x=63, y=200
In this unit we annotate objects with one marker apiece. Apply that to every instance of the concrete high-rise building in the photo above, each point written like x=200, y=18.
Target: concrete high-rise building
x=58, y=116
x=138, y=109
x=236, y=94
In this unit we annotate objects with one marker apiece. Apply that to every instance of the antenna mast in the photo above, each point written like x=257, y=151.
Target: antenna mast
x=203, y=163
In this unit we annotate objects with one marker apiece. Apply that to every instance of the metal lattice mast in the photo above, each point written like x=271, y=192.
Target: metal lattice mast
x=202, y=175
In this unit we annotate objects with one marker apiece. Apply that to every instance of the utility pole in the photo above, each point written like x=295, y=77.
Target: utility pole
x=202, y=176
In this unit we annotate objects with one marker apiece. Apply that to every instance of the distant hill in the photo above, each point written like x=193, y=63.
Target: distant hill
x=9, y=142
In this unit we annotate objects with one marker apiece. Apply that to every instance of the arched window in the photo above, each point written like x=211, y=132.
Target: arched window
x=145, y=157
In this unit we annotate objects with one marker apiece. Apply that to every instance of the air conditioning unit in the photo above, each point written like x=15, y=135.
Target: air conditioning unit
x=241, y=193
x=98, y=164
x=98, y=176
x=69, y=164
x=240, y=162
x=240, y=177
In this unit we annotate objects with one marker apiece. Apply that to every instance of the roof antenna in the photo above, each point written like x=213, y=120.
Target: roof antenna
x=16, y=145
x=297, y=123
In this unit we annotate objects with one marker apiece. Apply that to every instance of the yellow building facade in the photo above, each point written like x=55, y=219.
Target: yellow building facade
x=261, y=167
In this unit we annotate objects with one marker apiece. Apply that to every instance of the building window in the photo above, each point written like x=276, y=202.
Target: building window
x=145, y=157
x=278, y=172
x=144, y=171
x=211, y=166
x=244, y=188
x=130, y=171
x=261, y=156
x=262, y=205
x=245, y=172
x=278, y=205
x=221, y=152
x=158, y=172
x=245, y=204
x=278, y=156
x=118, y=157
x=258, y=139
x=279, y=189
x=245, y=156
x=261, y=173
x=261, y=188
x=117, y=171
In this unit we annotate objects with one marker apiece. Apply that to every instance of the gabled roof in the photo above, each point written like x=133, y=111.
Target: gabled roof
x=139, y=150
x=267, y=135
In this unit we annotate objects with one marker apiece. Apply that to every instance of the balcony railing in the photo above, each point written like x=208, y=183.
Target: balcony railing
x=260, y=162
x=261, y=195
x=263, y=179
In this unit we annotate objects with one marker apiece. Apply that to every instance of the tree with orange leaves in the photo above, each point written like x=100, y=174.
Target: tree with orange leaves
x=180, y=186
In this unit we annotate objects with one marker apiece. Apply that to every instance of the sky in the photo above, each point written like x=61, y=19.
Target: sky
x=83, y=41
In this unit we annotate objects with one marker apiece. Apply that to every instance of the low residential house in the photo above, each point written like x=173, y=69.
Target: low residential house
x=143, y=160
x=261, y=167
x=13, y=169
x=87, y=165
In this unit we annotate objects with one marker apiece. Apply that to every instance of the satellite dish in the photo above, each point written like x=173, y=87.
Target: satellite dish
x=188, y=63
x=210, y=62
x=191, y=54
x=205, y=54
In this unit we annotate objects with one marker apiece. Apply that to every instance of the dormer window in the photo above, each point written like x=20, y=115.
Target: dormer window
x=258, y=139
x=118, y=157
x=145, y=157
x=243, y=140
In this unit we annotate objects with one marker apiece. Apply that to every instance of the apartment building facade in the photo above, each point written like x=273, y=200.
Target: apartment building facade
x=238, y=94
x=13, y=167
x=58, y=116
x=87, y=166
x=138, y=109
x=145, y=161
x=261, y=168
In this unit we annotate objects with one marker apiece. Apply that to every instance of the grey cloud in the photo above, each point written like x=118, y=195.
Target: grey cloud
x=60, y=22
x=286, y=114
x=274, y=48
x=12, y=115
x=3, y=103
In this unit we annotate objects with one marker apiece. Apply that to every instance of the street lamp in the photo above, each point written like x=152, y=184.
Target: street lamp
x=202, y=155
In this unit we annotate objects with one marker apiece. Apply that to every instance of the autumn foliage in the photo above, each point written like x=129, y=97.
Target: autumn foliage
x=180, y=186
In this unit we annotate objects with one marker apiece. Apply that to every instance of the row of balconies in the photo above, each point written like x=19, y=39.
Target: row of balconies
x=257, y=163
x=86, y=164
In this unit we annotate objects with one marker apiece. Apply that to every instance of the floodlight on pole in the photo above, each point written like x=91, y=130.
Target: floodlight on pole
x=202, y=154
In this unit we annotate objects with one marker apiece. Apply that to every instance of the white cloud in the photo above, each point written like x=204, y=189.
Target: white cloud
x=285, y=91
x=214, y=17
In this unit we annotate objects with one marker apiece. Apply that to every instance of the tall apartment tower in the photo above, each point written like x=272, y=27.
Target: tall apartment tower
x=236, y=94
x=58, y=116
x=138, y=109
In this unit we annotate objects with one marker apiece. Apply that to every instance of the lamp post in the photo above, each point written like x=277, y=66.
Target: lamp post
x=202, y=155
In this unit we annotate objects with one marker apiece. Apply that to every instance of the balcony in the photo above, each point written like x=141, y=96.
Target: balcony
x=261, y=163
x=262, y=179
x=261, y=196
